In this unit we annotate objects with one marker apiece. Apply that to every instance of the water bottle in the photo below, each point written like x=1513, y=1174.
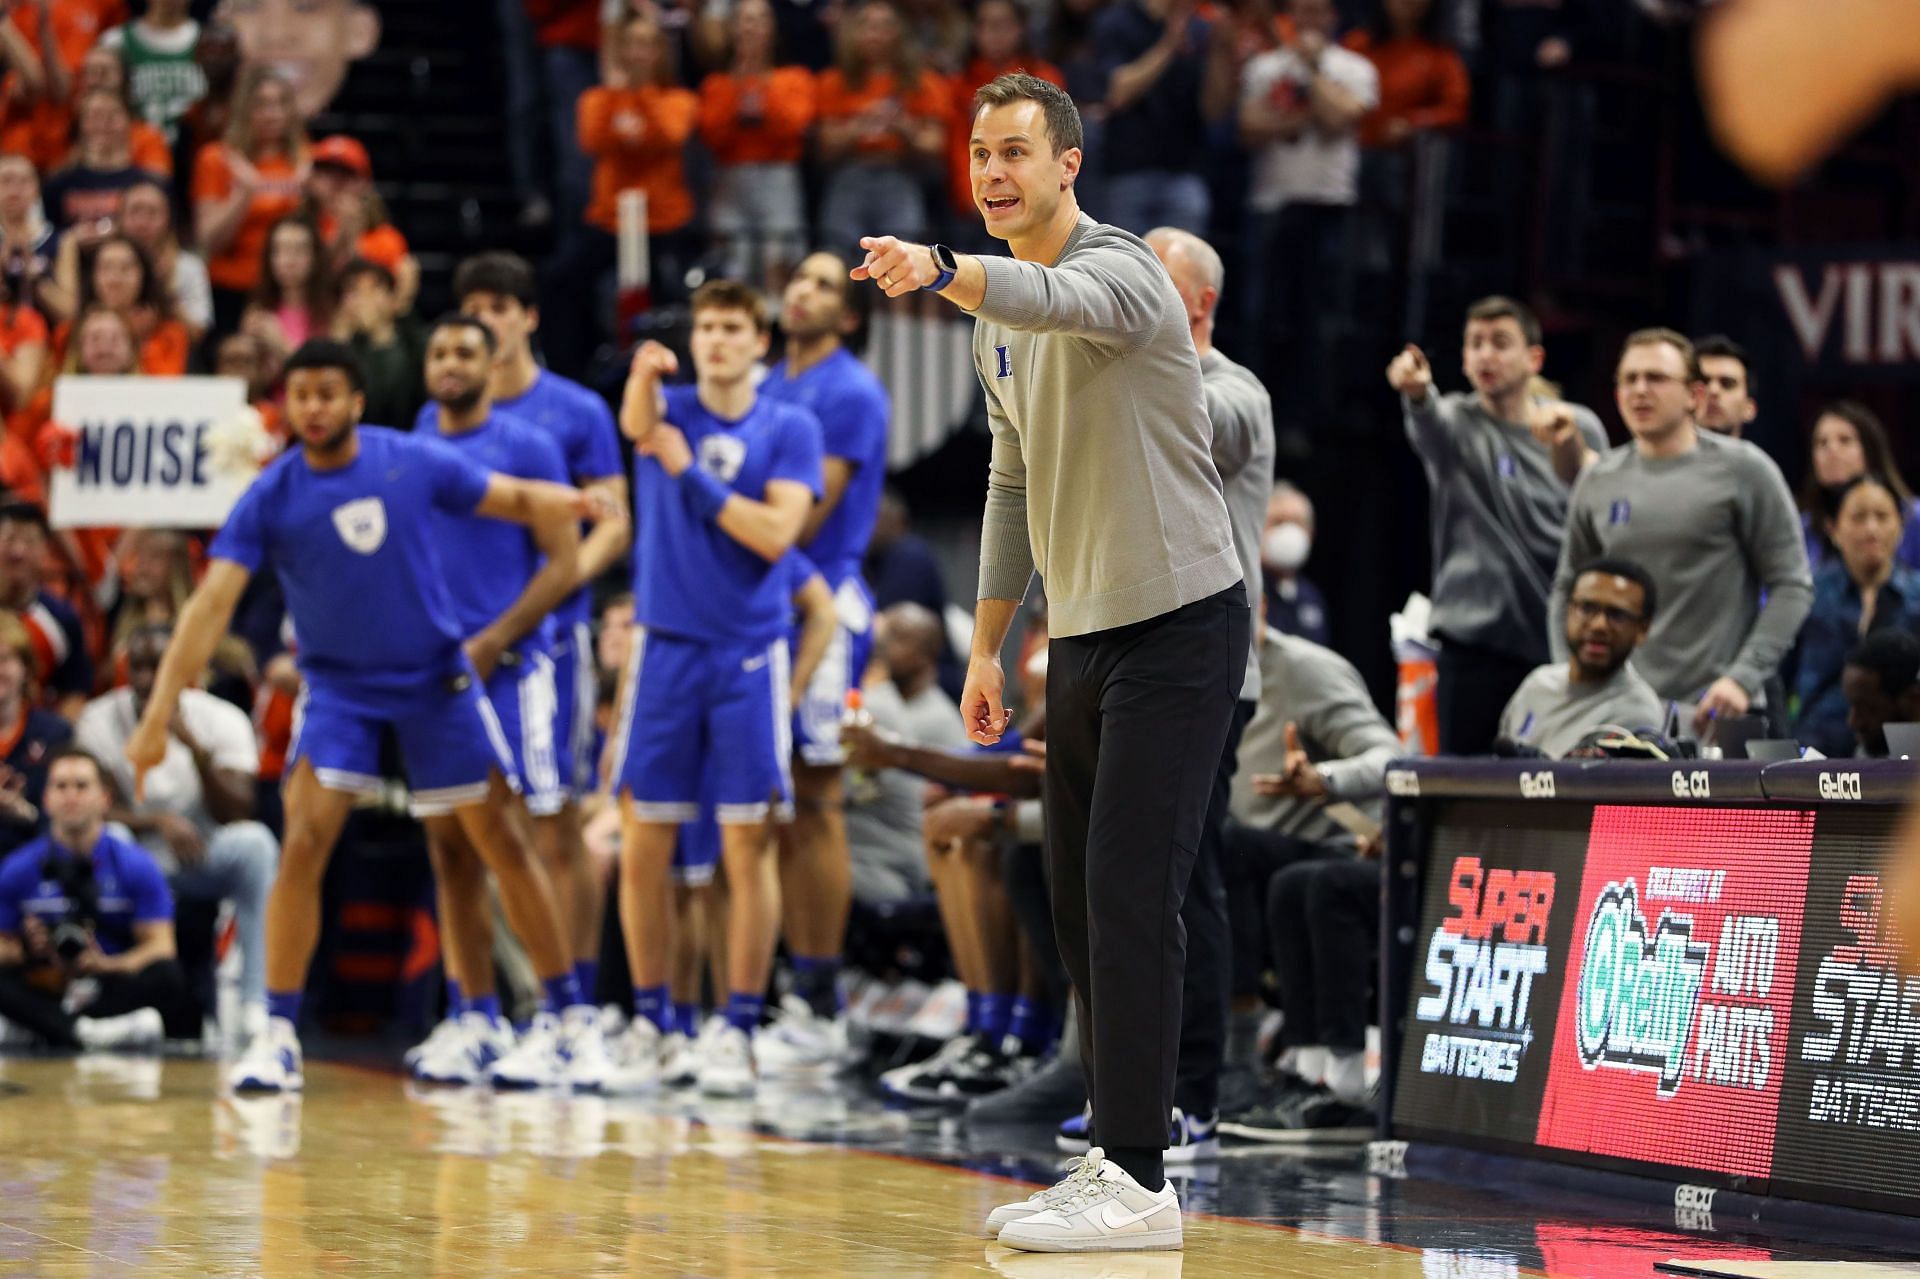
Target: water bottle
x=862, y=786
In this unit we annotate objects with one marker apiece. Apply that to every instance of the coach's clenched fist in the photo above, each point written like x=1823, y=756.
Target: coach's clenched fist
x=1410, y=374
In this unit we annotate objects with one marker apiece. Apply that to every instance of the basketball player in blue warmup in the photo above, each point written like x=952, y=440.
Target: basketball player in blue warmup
x=347, y=521
x=820, y=374
x=724, y=479
x=499, y=290
x=504, y=582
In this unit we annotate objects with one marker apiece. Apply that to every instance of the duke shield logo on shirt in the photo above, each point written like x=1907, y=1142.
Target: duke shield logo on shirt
x=1506, y=466
x=721, y=456
x=1620, y=511
x=362, y=524
x=1003, y=357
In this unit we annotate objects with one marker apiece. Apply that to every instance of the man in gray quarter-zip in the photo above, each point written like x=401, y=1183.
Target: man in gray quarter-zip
x=1103, y=479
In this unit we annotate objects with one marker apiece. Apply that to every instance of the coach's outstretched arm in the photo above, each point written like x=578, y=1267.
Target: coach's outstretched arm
x=1110, y=293
x=203, y=622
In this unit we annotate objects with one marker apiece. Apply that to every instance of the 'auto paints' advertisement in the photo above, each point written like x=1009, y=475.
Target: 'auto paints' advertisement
x=1671, y=1039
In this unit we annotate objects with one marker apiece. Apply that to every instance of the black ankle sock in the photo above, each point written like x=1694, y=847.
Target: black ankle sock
x=1144, y=1166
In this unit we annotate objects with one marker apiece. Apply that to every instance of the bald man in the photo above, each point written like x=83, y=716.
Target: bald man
x=1242, y=416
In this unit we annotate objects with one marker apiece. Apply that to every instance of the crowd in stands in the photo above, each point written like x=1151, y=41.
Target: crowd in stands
x=163, y=211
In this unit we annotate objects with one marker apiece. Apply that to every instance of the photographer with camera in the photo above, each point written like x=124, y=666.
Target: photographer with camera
x=86, y=927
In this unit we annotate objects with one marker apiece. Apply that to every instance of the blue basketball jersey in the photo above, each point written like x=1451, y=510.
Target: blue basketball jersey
x=852, y=407
x=689, y=578
x=355, y=552
x=489, y=562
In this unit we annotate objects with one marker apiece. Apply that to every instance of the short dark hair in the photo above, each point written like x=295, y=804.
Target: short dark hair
x=455, y=320
x=1720, y=346
x=1893, y=655
x=17, y=511
x=78, y=752
x=507, y=274
x=358, y=267
x=1666, y=337
x=1064, y=129
x=732, y=295
x=325, y=353
x=1500, y=307
x=1632, y=570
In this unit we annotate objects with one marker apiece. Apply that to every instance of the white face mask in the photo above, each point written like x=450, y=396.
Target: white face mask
x=1285, y=547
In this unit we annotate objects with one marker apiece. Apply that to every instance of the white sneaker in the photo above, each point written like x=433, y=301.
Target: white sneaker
x=539, y=1060
x=679, y=1061
x=921, y=1080
x=801, y=1042
x=1039, y=1200
x=468, y=1055
x=726, y=1064
x=141, y=1028
x=1107, y=1211
x=437, y=1039
x=635, y=1060
x=271, y=1062
x=587, y=1061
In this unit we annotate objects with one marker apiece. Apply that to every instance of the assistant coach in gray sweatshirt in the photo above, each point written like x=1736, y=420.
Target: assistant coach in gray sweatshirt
x=1102, y=478
x=1710, y=518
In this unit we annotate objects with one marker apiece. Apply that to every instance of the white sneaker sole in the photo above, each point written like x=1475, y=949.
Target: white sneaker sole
x=1301, y=1136
x=615, y=1086
x=1141, y=1241
x=1005, y=1215
x=1070, y=1145
x=1194, y=1152
x=727, y=1087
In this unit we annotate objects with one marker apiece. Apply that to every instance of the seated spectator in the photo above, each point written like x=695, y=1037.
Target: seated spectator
x=884, y=819
x=116, y=274
x=1294, y=604
x=29, y=244
x=296, y=296
x=636, y=128
x=390, y=343
x=34, y=733
x=352, y=217
x=1861, y=590
x=163, y=78
x=146, y=218
x=1002, y=42
x=900, y=567
x=196, y=816
x=103, y=344
x=883, y=123
x=1608, y=614
x=1882, y=686
x=754, y=118
x=89, y=188
x=1729, y=405
x=103, y=71
x=43, y=53
x=246, y=357
x=1423, y=81
x=79, y=902
x=243, y=185
x=154, y=579
x=1849, y=441
x=63, y=668
x=1151, y=58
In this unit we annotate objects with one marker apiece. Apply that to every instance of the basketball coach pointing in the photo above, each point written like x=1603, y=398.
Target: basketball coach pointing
x=1102, y=479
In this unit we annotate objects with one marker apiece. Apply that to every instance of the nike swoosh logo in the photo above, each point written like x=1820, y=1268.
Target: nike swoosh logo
x=754, y=663
x=1125, y=1218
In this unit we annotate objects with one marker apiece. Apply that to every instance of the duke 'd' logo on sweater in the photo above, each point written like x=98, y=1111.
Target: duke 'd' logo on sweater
x=1003, y=361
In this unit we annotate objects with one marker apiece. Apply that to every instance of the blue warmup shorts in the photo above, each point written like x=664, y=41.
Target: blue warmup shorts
x=697, y=850
x=522, y=695
x=451, y=743
x=575, y=696
x=816, y=720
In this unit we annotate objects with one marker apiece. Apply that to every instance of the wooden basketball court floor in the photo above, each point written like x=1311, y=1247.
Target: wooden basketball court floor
x=124, y=1166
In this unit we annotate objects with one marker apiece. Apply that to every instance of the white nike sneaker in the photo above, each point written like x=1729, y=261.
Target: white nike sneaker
x=1107, y=1211
x=635, y=1060
x=141, y=1028
x=439, y=1037
x=539, y=1060
x=468, y=1055
x=801, y=1042
x=726, y=1064
x=587, y=1060
x=1039, y=1200
x=679, y=1061
x=271, y=1063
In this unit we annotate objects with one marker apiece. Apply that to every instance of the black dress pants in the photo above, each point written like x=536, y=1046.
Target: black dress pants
x=1137, y=718
x=1472, y=688
x=162, y=985
x=1324, y=920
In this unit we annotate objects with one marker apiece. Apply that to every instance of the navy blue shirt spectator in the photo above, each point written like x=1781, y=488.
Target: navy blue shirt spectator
x=901, y=568
x=1296, y=607
x=1154, y=58
x=62, y=665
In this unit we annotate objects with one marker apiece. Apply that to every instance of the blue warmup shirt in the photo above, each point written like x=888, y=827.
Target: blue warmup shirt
x=128, y=885
x=852, y=407
x=489, y=562
x=582, y=425
x=355, y=551
x=689, y=578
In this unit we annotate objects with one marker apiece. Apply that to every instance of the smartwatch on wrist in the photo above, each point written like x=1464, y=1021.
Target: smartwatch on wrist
x=949, y=265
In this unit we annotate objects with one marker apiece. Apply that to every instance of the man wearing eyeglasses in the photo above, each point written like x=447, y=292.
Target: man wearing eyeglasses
x=1608, y=615
x=1712, y=521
